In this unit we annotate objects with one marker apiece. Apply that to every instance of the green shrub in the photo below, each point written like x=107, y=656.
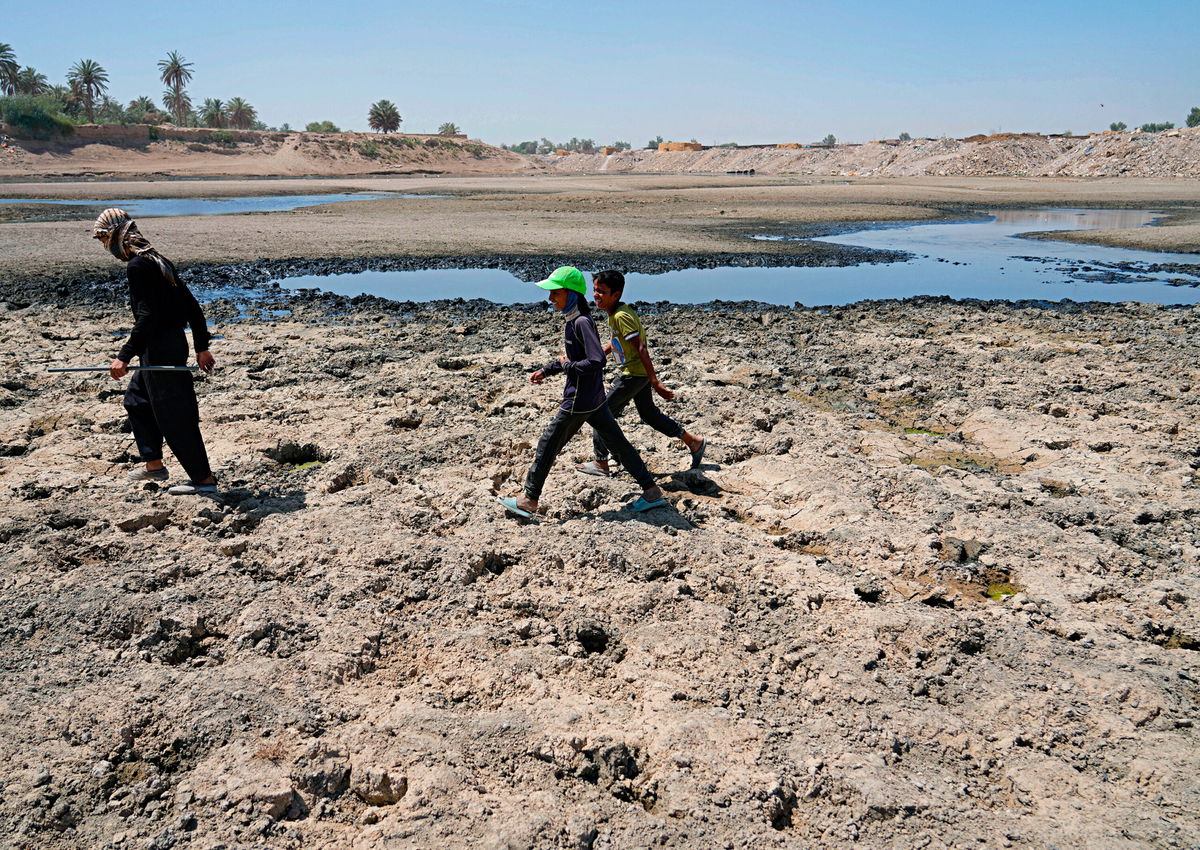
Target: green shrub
x=35, y=116
x=154, y=134
x=1193, y=119
x=1118, y=126
x=368, y=149
x=224, y=138
x=1157, y=128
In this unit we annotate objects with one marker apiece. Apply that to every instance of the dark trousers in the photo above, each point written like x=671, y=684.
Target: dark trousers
x=566, y=425
x=635, y=388
x=162, y=405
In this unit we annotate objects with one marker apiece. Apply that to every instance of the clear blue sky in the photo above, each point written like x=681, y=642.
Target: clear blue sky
x=737, y=70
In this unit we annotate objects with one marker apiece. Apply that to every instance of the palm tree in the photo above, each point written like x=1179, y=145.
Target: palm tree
x=176, y=72
x=29, y=81
x=179, y=105
x=143, y=111
x=111, y=111
x=89, y=81
x=449, y=129
x=241, y=114
x=384, y=117
x=141, y=105
x=212, y=113
x=9, y=69
x=65, y=96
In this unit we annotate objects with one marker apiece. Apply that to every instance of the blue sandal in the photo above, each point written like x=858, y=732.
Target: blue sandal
x=698, y=454
x=510, y=505
x=640, y=504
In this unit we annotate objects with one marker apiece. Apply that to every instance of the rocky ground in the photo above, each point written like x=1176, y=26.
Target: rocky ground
x=934, y=586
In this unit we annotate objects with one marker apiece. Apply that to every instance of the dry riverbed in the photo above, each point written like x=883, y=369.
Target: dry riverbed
x=934, y=586
x=566, y=217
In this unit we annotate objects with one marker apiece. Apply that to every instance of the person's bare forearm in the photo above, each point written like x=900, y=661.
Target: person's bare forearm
x=644, y=353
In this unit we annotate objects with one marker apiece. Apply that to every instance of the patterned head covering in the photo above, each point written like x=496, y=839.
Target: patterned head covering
x=125, y=241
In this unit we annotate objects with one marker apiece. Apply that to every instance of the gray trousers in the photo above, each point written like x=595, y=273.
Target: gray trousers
x=566, y=425
x=635, y=388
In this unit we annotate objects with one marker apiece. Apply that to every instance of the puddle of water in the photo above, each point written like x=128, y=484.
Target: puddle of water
x=986, y=259
x=976, y=259
x=157, y=207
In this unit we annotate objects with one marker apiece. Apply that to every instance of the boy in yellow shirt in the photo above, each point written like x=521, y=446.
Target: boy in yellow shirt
x=637, y=376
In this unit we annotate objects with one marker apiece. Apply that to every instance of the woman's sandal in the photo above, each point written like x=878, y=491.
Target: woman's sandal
x=593, y=468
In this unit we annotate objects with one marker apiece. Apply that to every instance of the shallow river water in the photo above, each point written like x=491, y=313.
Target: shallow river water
x=152, y=207
x=972, y=259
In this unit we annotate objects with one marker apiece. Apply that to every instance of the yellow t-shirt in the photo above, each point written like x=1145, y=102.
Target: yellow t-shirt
x=626, y=328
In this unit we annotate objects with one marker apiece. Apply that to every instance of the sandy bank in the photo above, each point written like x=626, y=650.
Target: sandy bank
x=1175, y=153
x=139, y=151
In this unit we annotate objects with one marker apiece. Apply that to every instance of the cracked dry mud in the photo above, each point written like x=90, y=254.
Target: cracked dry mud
x=934, y=586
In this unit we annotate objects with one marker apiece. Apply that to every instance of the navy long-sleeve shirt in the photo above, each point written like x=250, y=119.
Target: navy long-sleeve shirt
x=158, y=306
x=584, y=391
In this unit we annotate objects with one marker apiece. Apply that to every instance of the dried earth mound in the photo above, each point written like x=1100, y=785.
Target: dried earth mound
x=1174, y=153
x=119, y=152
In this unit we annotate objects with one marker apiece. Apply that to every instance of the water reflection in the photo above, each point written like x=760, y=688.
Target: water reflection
x=159, y=207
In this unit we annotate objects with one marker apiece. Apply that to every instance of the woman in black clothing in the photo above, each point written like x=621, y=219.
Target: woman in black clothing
x=161, y=405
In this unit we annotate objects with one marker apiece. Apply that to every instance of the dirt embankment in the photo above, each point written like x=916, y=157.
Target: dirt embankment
x=933, y=586
x=1175, y=153
x=194, y=152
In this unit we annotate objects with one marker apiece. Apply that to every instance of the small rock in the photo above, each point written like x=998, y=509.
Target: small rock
x=154, y=519
x=377, y=787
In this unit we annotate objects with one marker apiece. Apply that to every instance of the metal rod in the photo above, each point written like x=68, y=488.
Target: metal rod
x=130, y=368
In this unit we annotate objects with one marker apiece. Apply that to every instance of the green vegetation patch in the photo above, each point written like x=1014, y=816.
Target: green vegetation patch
x=972, y=462
x=35, y=117
x=1002, y=590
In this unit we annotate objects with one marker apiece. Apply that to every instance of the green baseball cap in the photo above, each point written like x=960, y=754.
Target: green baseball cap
x=566, y=277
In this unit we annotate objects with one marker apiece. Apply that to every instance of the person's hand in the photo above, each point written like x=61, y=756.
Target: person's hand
x=663, y=391
x=537, y=377
x=205, y=361
x=118, y=368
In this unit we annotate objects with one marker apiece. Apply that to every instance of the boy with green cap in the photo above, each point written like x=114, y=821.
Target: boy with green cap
x=583, y=399
x=637, y=376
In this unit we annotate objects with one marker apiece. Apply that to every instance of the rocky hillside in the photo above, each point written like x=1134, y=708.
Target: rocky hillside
x=1175, y=153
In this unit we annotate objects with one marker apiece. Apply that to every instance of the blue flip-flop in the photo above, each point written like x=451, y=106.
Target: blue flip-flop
x=510, y=505
x=698, y=454
x=640, y=504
